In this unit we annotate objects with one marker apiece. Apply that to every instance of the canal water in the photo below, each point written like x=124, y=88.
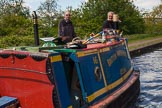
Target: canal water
x=150, y=66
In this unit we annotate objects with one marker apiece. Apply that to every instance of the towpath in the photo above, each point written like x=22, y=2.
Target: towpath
x=144, y=43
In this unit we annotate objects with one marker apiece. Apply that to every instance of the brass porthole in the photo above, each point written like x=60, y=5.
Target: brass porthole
x=97, y=73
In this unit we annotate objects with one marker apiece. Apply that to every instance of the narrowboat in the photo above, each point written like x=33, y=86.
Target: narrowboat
x=98, y=75
x=93, y=73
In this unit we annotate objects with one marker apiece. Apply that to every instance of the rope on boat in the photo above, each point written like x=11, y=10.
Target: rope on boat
x=98, y=34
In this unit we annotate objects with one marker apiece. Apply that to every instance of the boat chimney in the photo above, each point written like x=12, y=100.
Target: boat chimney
x=35, y=21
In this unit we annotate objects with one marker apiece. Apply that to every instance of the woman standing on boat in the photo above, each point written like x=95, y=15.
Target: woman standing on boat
x=66, y=28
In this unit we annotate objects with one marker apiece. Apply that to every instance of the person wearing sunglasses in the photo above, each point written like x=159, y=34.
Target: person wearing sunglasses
x=66, y=28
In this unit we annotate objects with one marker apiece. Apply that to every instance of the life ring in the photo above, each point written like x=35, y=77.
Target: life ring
x=76, y=39
x=97, y=73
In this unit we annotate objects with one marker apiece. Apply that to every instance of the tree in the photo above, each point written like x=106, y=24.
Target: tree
x=14, y=19
x=93, y=13
x=14, y=7
x=154, y=20
x=48, y=16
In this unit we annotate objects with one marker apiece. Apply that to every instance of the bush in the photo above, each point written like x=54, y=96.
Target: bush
x=9, y=41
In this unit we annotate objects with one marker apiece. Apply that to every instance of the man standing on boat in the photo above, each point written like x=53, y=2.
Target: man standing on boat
x=66, y=28
x=109, y=24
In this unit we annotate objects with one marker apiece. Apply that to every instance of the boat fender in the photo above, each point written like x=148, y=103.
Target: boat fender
x=5, y=55
x=97, y=73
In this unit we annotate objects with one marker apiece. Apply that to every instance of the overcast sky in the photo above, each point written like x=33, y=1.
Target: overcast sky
x=142, y=4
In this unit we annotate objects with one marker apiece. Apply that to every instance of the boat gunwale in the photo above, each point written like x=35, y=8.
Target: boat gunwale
x=113, y=96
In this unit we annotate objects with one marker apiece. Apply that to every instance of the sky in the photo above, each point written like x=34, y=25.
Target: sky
x=142, y=4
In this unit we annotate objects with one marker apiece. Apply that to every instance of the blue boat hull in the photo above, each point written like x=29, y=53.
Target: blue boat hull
x=125, y=97
x=98, y=76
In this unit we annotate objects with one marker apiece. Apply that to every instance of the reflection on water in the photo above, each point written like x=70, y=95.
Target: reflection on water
x=150, y=66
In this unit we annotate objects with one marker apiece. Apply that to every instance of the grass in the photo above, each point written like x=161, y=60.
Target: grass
x=142, y=40
x=137, y=37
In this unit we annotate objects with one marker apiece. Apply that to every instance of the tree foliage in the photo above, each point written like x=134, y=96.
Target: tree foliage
x=13, y=7
x=93, y=13
x=14, y=19
x=15, y=25
x=48, y=17
x=154, y=20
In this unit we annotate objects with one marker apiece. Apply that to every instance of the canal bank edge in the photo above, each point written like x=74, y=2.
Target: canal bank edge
x=139, y=47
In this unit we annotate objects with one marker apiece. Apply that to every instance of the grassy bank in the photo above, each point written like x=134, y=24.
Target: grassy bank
x=8, y=41
x=142, y=40
x=137, y=37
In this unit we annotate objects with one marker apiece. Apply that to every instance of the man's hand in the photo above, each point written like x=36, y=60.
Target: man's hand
x=65, y=38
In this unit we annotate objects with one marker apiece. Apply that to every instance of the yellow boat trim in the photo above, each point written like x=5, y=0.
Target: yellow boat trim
x=70, y=107
x=56, y=58
x=103, y=74
x=90, y=52
x=94, y=51
x=109, y=87
x=86, y=53
x=104, y=49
